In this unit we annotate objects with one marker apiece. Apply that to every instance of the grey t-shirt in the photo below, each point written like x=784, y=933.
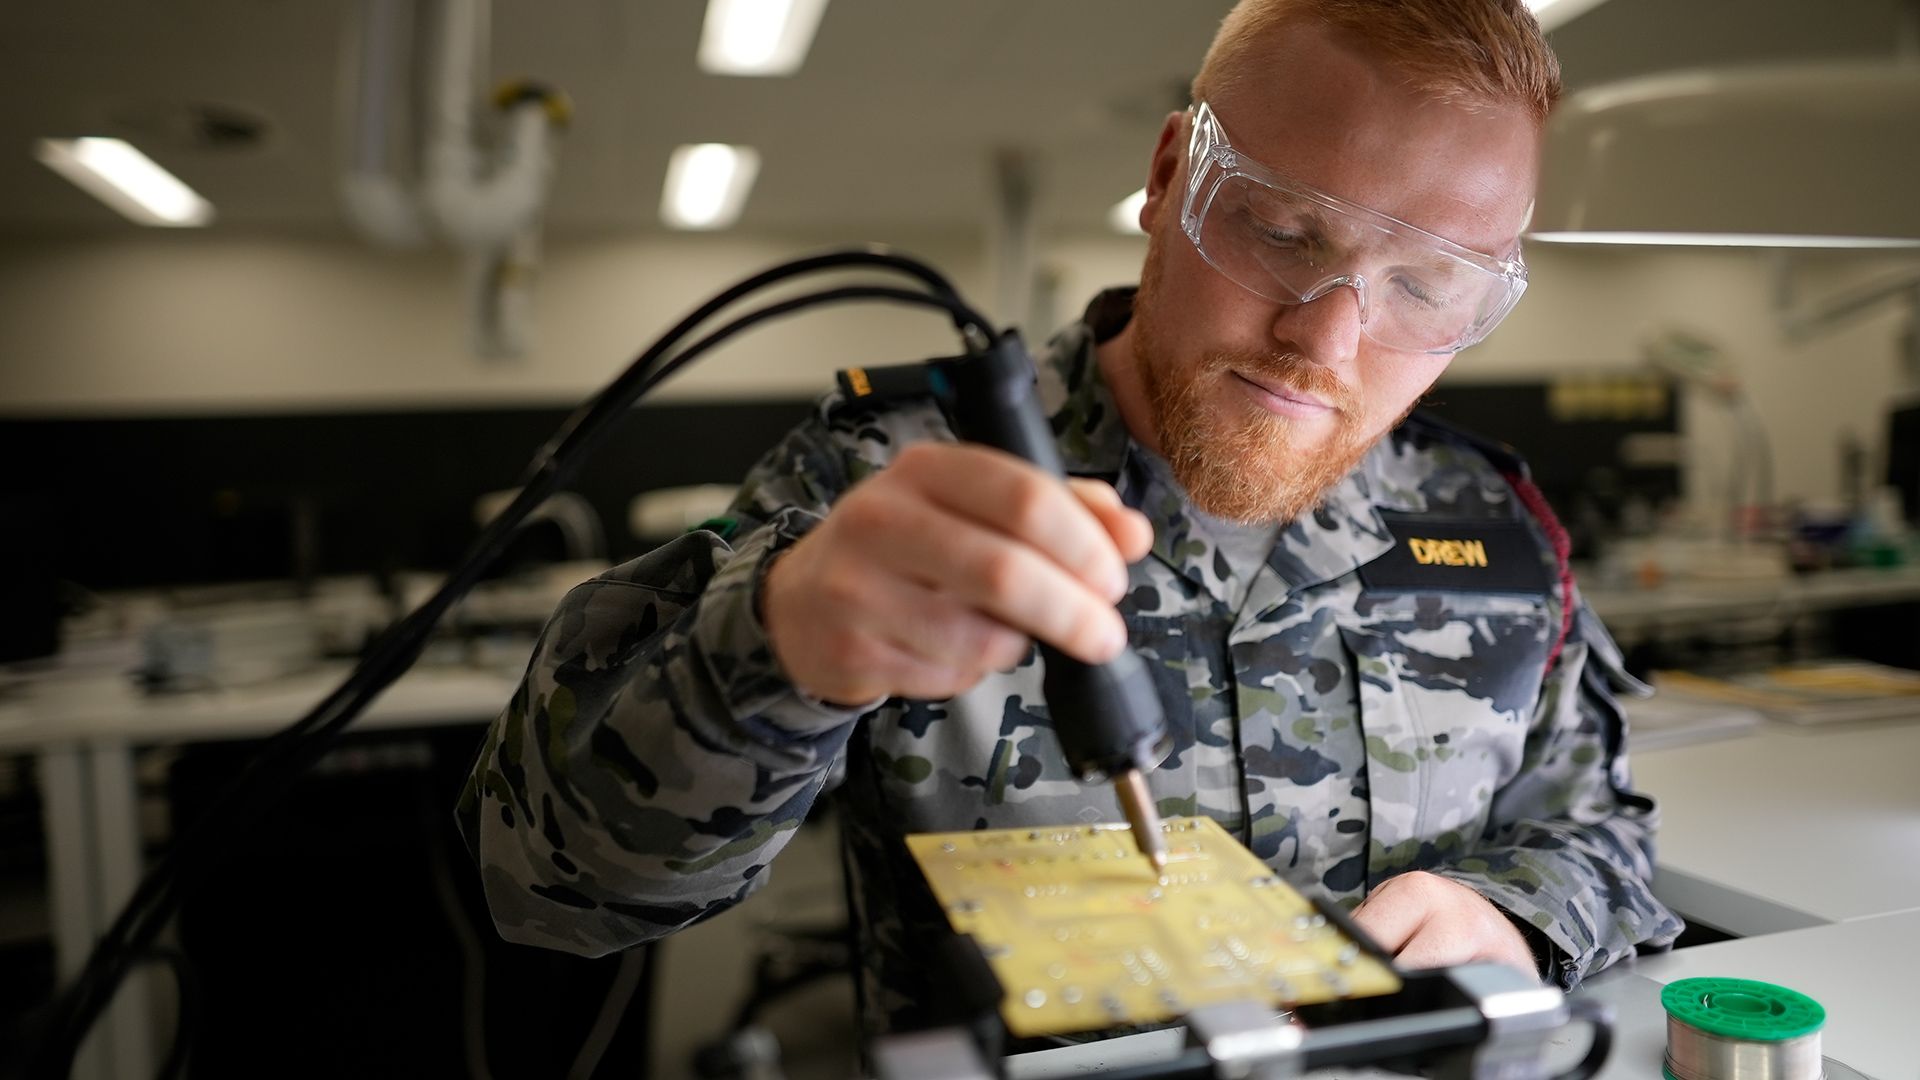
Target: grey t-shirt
x=1244, y=547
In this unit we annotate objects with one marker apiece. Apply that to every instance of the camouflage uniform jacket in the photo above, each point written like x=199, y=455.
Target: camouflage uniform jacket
x=655, y=759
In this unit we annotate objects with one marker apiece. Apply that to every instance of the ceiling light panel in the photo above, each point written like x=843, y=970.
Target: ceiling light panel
x=1554, y=14
x=707, y=185
x=1740, y=240
x=758, y=37
x=118, y=174
x=1125, y=215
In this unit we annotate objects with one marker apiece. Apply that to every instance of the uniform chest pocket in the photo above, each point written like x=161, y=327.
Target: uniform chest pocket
x=1447, y=686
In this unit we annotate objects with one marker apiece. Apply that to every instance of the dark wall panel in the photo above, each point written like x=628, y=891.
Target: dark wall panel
x=136, y=502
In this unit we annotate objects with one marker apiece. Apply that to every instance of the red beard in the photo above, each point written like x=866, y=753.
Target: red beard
x=1236, y=460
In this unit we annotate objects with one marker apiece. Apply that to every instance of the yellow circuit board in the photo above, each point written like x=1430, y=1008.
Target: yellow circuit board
x=1083, y=935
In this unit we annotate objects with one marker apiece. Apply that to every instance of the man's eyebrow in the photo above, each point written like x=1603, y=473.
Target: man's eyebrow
x=1427, y=258
x=1311, y=216
x=1314, y=220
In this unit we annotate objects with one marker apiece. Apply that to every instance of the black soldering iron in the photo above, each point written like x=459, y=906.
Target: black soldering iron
x=1107, y=716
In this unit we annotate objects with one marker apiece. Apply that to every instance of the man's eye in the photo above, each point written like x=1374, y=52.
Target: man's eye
x=1279, y=236
x=1422, y=293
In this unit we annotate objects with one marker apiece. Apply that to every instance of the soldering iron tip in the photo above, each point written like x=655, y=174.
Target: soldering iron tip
x=1137, y=804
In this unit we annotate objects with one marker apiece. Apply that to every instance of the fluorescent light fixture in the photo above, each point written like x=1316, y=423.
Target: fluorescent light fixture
x=126, y=179
x=1812, y=155
x=1554, y=14
x=758, y=37
x=1125, y=215
x=707, y=185
x=1740, y=240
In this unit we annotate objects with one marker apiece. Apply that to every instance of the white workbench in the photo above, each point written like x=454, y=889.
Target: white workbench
x=1809, y=837
x=1861, y=971
x=84, y=732
x=1782, y=828
x=1770, y=830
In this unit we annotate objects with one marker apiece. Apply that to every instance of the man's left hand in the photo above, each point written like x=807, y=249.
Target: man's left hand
x=1428, y=921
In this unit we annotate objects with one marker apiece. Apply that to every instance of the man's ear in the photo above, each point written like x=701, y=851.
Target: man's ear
x=1164, y=168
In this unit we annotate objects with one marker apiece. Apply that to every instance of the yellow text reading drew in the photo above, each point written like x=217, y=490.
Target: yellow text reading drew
x=1448, y=552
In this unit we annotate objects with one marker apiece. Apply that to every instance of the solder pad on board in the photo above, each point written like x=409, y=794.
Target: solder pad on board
x=1082, y=935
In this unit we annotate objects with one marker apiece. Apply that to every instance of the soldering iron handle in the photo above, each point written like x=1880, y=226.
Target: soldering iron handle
x=994, y=401
x=1108, y=716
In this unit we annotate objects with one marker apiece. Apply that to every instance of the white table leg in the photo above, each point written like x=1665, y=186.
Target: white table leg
x=117, y=845
x=67, y=811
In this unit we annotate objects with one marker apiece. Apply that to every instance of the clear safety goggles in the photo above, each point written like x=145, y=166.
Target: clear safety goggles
x=1293, y=244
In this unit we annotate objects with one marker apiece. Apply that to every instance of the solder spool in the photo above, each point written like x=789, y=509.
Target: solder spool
x=1741, y=1029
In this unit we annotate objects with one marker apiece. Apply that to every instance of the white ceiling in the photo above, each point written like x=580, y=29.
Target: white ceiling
x=892, y=124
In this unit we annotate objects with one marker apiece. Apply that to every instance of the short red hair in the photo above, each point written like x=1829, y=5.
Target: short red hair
x=1471, y=53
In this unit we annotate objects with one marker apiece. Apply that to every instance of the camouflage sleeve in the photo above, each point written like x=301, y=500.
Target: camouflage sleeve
x=1570, y=844
x=655, y=758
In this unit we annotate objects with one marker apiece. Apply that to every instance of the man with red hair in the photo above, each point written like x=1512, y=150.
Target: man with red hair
x=1376, y=670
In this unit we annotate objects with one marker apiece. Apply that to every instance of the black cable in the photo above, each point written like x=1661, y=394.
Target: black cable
x=297, y=746
x=186, y=991
x=577, y=435
x=964, y=317
x=411, y=636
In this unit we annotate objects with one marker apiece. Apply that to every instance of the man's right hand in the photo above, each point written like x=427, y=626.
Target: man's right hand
x=940, y=569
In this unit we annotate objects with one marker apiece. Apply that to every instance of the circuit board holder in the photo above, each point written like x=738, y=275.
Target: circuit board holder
x=1083, y=935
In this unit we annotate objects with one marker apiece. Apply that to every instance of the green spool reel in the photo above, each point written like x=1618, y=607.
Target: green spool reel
x=1744, y=1009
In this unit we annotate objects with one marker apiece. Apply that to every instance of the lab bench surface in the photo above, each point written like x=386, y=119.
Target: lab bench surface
x=1766, y=831
x=1859, y=971
x=1782, y=828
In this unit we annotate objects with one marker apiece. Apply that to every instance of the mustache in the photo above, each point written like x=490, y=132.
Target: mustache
x=1290, y=370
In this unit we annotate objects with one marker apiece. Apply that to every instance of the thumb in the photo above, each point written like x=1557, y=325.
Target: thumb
x=1130, y=530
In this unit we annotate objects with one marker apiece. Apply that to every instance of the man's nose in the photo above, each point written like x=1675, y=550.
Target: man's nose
x=1327, y=328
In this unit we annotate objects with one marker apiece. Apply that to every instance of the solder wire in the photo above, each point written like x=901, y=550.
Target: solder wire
x=1698, y=1054
x=1693, y=1054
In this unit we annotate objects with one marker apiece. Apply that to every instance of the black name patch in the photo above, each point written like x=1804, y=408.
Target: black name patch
x=1482, y=556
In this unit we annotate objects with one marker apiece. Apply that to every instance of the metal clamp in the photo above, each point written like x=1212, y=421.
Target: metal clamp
x=1246, y=1041
x=1522, y=1018
x=948, y=1053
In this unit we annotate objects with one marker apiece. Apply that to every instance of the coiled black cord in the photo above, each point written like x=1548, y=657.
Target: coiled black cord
x=296, y=747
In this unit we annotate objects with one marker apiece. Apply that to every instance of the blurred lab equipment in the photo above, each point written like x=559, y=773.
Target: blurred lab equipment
x=664, y=513
x=1604, y=444
x=1694, y=358
x=230, y=645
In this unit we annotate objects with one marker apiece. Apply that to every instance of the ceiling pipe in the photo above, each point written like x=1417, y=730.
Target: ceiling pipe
x=487, y=207
x=379, y=201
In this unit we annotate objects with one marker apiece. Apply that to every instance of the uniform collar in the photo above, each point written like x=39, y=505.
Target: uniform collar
x=1342, y=534
x=1086, y=423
